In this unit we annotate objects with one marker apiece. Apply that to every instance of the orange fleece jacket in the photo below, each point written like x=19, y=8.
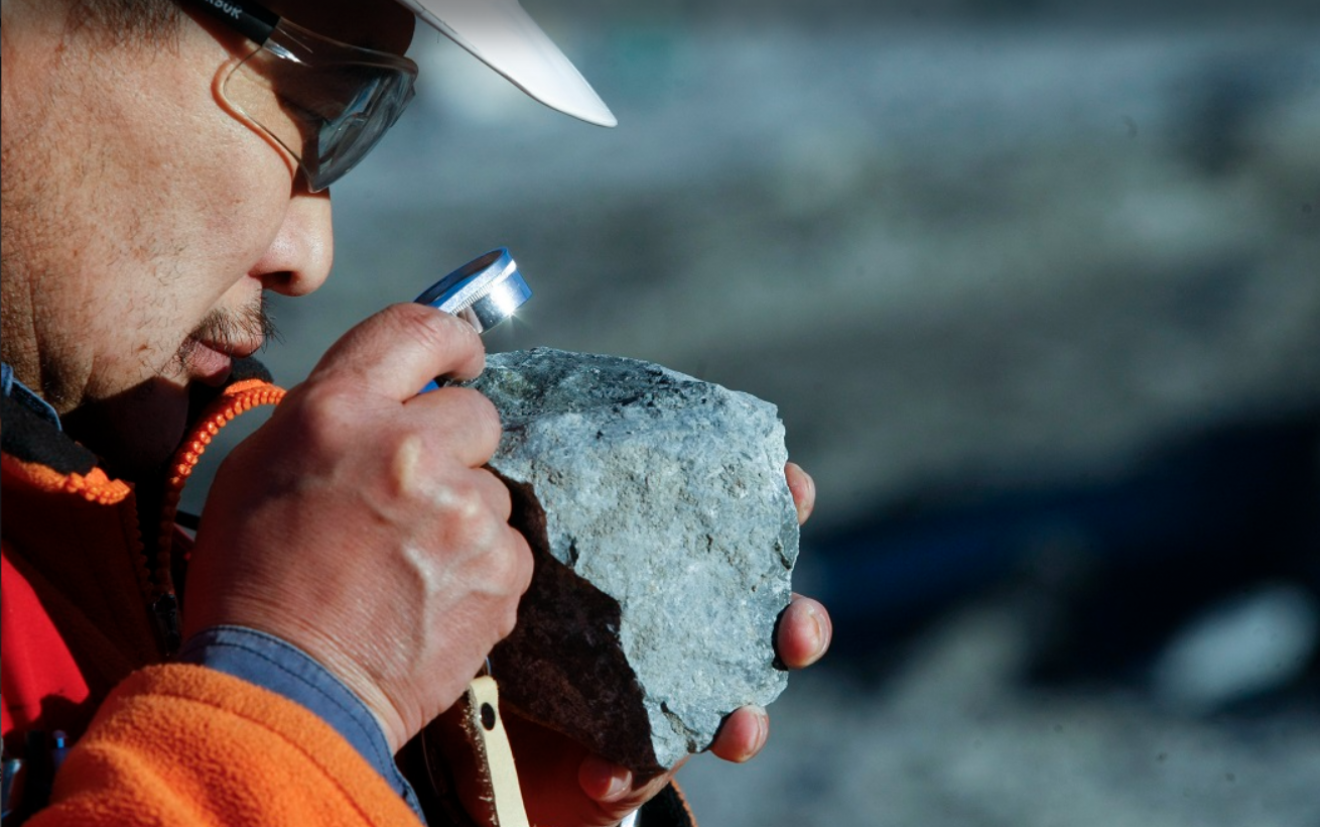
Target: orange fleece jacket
x=186, y=745
x=167, y=744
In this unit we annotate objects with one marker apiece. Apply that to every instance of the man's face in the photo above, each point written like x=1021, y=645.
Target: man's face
x=143, y=220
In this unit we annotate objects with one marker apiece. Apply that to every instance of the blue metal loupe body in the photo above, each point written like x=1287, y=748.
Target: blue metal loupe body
x=483, y=292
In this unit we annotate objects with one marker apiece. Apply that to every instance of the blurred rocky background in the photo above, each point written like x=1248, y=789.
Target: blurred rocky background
x=1036, y=287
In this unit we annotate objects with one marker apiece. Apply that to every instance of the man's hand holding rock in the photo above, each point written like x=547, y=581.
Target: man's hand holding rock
x=565, y=785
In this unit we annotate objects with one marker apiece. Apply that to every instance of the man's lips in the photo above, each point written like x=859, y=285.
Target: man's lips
x=211, y=362
x=234, y=350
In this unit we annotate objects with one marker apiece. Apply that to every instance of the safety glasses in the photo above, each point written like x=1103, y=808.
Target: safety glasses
x=328, y=103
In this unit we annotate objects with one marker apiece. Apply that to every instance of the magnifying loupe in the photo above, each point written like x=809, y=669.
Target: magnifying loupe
x=483, y=292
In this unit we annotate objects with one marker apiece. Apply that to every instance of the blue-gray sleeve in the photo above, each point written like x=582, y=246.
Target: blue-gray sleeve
x=277, y=665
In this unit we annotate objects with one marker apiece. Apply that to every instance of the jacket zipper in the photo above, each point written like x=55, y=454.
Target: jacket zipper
x=235, y=400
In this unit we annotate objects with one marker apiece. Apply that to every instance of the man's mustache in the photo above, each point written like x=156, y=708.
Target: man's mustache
x=228, y=330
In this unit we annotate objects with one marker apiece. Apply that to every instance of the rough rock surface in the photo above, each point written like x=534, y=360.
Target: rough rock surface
x=665, y=537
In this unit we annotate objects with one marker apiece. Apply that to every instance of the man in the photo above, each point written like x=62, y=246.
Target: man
x=163, y=166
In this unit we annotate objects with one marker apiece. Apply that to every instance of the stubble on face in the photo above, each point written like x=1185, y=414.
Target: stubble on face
x=35, y=241
x=96, y=301
x=28, y=233
x=230, y=331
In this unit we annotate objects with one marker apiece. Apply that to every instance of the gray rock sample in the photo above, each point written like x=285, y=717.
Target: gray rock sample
x=665, y=537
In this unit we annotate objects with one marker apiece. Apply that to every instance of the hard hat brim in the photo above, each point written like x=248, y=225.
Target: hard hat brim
x=502, y=35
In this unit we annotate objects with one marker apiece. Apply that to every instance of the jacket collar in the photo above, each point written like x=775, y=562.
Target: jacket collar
x=32, y=430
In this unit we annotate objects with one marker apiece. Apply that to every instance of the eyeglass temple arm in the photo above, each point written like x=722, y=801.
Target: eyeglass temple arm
x=253, y=21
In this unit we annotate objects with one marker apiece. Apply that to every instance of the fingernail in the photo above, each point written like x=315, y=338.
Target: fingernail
x=804, y=510
x=620, y=783
x=822, y=627
x=762, y=728
x=604, y=781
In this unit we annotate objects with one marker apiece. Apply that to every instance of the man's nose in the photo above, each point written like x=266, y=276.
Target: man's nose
x=298, y=260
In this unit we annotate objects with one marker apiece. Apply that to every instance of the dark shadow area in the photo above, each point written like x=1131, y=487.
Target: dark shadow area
x=1111, y=569
x=562, y=667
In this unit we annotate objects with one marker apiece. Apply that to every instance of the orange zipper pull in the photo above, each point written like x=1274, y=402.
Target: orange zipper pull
x=235, y=400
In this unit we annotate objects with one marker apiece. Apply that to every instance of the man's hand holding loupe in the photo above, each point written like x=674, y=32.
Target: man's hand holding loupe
x=359, y=525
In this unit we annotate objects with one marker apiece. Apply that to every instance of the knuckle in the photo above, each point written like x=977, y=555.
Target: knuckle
x=469, y=506
x=407, y=473
x=508, y=620
x=501, y=561
x=496, y=493
x=509, y=569
x=526, y=563
x=323, y=413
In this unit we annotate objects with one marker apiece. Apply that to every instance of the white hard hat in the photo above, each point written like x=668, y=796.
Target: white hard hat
x=502, y=35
